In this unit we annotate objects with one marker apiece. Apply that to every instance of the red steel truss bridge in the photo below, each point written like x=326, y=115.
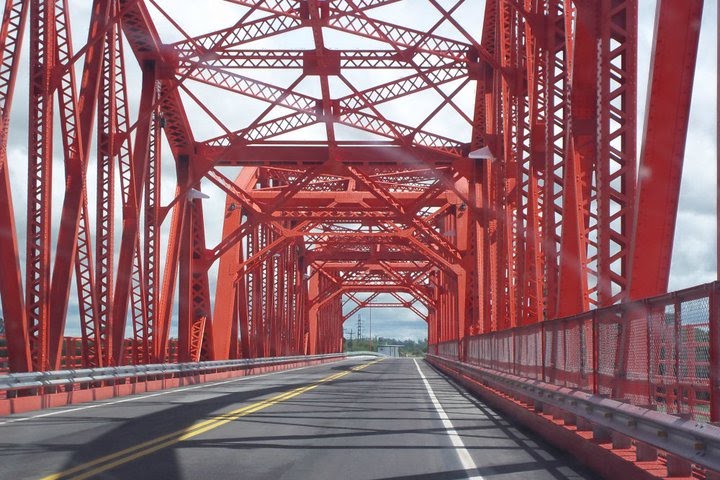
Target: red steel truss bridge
x=192, y=191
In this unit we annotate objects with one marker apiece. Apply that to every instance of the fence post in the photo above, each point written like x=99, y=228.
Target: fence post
x=542, y=350
x=714, y=337
x=677, y=388
x=514, y=351
x=595, y=353
x=646, y=305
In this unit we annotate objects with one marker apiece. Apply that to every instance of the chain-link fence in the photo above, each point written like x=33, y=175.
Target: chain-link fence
x=661, y=353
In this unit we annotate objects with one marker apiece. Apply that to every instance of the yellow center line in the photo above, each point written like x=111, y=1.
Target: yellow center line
x=121, y=457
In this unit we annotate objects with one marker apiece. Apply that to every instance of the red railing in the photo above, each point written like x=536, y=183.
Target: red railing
x=4, y=366
x=72, y=357
x=661, y=352
x=71, y=354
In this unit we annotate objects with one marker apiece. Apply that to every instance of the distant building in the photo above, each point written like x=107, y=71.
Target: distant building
x=389, y=350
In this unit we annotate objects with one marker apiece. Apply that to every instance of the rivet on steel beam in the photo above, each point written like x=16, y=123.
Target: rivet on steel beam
x=662, y=434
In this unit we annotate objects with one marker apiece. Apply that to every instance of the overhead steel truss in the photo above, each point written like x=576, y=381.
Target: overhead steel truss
x=486, y=168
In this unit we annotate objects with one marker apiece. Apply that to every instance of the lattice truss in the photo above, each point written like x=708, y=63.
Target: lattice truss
x=474, y=160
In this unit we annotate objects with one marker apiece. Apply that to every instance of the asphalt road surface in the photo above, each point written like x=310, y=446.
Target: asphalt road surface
x=361, y=418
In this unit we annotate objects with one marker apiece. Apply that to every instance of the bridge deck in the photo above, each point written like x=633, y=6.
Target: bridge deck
x=356, y=419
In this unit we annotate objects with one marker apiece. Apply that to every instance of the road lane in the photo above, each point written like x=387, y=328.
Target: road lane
x=321, y=422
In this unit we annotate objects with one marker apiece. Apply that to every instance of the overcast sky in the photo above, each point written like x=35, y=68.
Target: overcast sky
x=694, y=251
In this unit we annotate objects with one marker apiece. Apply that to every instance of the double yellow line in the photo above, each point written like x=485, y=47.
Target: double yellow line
x=108, y=462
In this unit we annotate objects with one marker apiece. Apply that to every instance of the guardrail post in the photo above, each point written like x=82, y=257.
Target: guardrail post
x=620, y=441
x=601, y=434
x=645, y=452
x=583, y=424
x=678, y=467
x=714, y=337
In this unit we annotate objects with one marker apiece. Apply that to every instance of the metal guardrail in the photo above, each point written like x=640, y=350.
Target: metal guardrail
x=662, y=351
x=696, y=442
x=22, y=381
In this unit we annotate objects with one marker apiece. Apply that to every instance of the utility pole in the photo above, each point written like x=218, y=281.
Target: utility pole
x=359, y=335
x=371, y=329
x=349, y=343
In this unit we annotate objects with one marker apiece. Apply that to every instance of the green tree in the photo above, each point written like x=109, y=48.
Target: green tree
x=408, y=348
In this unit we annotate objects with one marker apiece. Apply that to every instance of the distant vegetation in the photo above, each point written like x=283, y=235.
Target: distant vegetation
x=409, y=348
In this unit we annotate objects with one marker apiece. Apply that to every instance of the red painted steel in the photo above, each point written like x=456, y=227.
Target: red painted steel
x=480, y=173
x=4, y=363
x=666, y=127
x=673, y=340
x=11, y=285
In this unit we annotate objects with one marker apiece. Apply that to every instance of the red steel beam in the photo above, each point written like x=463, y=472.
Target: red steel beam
x=522, y=213
x=11, y=287
x=677, y=34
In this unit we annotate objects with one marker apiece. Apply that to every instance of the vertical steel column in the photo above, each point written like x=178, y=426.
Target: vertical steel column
x=170, y=272
x=241, y=304
x=39, y=204
x=128, y=262
x=314, y=289
x=557, y=88
x=74, y=236
x=107, y=139
x=11, y=288
x=230, y=281
x=151, y=245
x=615, y=167
x=573, y=290
x=200, y=294
x=185, y=313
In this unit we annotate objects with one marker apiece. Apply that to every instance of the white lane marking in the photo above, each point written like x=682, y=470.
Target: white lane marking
x=158, y=394
x=466, y=460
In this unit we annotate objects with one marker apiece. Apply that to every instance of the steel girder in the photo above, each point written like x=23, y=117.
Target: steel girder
x=527, y=208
